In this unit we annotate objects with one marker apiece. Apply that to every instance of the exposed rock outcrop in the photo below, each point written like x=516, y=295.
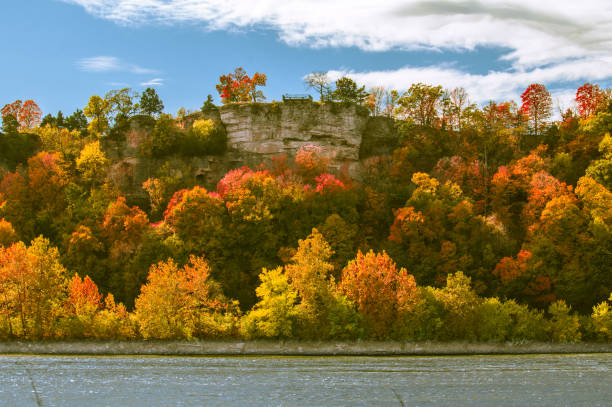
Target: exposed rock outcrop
x=346, y=135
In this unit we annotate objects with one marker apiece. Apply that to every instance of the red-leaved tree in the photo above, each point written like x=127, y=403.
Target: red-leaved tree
x=537, y=105
x=588, y=99
x=27, y=113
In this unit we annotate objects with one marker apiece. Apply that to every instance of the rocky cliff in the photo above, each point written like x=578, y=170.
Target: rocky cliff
x=346, y=134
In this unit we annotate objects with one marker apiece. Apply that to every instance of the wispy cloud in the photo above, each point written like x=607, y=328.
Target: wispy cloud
x=153, y=82
x=497, y=85
x=534, y=32
x=111, y=64
x=548, y=41
x=119, y=84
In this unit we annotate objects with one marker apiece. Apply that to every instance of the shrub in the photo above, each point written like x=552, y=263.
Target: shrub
x=562, y=325
x=602, y=319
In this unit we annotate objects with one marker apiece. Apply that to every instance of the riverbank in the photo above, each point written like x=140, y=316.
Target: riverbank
x=294, y=348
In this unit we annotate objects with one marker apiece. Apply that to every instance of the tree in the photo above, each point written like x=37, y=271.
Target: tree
x=274, y=316
x=238, y=87
x=11, y=109
x=92, y=164
x=30, y=115
x=77, y=121
x=319, y=82
x=375, y=100
x=198, y=218
x=437, y=233
x=259, y=79
x=347, y=91
x=81, y=306
x=121, y=102
x=208, y=104
x=8, y=235
x=27, y=113
x=588, y=98
x=32, y=288
x=380, y=291
x=163, y=140
x=10, y=125
x=183, y=303
x=310, y=163
x=537, y=105
x=53, y=139
x=150, y=103
x=421, y=103
x=97, y=110
x=458, y=100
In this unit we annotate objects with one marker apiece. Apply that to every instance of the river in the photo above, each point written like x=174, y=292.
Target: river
x=91, y=381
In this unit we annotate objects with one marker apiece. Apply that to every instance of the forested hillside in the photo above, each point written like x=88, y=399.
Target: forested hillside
x=485, y=223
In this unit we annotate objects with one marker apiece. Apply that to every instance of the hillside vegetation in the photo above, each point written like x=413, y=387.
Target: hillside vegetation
x=489, y=224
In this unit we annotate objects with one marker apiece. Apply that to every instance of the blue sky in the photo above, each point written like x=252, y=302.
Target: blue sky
x=60, y=52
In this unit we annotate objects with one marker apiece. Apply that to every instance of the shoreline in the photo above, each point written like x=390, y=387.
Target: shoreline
x=294, y=348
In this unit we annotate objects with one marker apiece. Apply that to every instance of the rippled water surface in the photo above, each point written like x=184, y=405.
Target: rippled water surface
x=537, y=380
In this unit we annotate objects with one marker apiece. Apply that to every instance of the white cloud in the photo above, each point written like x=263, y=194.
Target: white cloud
x=99, y=64
x=493, y=85
x=548, y=41
x=534, y=32
x=118, y=84
x=153, y=82
x=111, y=64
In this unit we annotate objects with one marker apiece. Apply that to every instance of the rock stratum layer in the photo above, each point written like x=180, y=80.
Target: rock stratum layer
x=345, y=134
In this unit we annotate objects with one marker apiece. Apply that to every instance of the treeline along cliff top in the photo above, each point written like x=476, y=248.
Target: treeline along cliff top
x=367, y=214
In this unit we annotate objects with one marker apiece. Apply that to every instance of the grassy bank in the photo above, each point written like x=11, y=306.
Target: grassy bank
x=295, y=348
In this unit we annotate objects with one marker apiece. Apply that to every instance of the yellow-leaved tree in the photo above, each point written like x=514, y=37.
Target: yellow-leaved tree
x=184, y=302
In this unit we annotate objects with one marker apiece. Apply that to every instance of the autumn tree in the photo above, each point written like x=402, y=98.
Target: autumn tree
x=27, y=113
x=421, y=104
x=436, y=232
x=380, y=291
x=7, y=233
x=81, y=306
x=275, y=315
x=123, y=228
x=198, y=218
x=32, y=288
x=11, y=109
x=310, y=163
x=92, y=164
x=183, y=303
x=537, y=105
x=375, y=100
x=98, y=111
x=601, y=170
x=588, y=99
x=67, y=142
x=239, y=87
x=35, y=199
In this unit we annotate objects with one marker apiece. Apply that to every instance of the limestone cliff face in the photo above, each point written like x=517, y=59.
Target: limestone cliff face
x=346, y=134
x=285, y=128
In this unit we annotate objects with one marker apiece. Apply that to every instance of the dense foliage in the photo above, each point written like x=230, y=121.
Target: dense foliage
x=489, y=224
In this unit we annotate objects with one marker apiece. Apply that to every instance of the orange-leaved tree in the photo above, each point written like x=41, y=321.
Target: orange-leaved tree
x=184, y=302
x=380, y=291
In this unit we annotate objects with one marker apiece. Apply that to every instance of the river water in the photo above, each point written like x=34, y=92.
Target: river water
x=533, y=380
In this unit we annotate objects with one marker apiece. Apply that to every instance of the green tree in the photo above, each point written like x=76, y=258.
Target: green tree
x=347, y=91
x=150, y=103
x=274, y=316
